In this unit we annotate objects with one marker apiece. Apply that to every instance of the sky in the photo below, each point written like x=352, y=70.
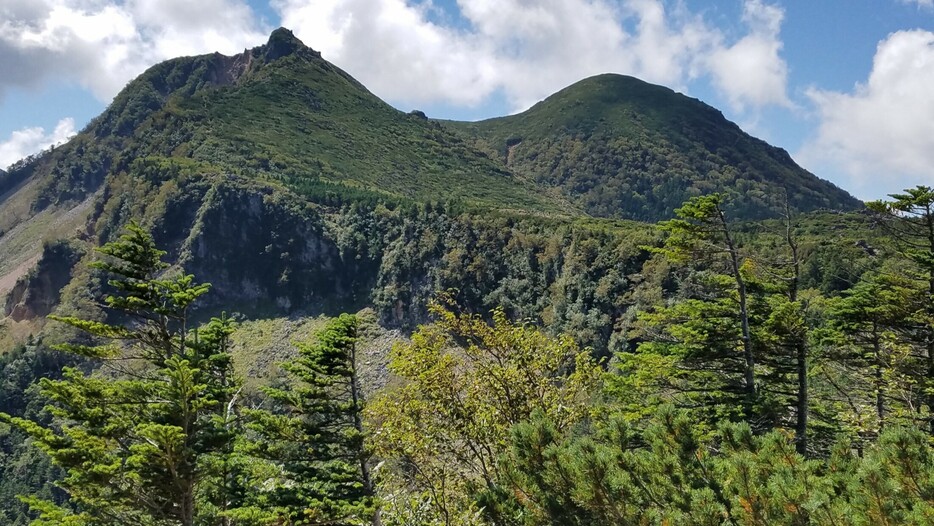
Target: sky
x=846, y=86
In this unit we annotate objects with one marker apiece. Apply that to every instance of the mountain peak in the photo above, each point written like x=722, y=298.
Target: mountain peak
x=621, y=147
x=282, y=42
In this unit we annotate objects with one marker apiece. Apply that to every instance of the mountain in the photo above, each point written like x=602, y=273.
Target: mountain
x=246, y=149
x=281, y=180
x=298, y=194
x=608, y=146
x=620, y=147
x=281, y=111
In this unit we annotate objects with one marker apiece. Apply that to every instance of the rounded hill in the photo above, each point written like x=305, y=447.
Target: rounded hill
x=620, y=147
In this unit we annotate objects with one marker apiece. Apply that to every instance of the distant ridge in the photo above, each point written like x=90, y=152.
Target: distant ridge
x=279, y=112
x=621, y=147
x=284, y=182
x=609, y=146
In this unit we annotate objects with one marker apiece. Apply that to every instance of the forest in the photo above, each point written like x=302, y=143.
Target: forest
x=747, y=377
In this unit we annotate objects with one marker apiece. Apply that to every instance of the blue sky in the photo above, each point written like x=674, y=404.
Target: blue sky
x=846, y=86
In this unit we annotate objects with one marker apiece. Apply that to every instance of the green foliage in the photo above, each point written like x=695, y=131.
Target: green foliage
x=490, y=421
x=667, y=473
x=705, y=339
x=276, y=160
x=136, y=449
x=609, y=146
x=699, y=230
x=315, y=433
x=909, y=219
x=465, y=383
x=620, y=147
x=160, y=306
x=572, y=276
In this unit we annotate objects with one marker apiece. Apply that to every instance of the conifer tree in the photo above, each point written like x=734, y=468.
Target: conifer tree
x=668, y=472
x=908, y=218
x=316, y=433
x=134, y=442
x=782, y=319
x=707, y=334
x=870, y=335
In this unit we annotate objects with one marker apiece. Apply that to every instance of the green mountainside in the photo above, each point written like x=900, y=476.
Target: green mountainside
x=280, y=179
x=299, y=196
x=608, y=146
x=278, y=111
x=620, y=147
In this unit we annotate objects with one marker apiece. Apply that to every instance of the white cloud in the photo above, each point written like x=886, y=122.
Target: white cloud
x=31, y=140
x=882, y=133
x=102, y=44
x=927, y=4
x=524, y=49
x=529, y=49
x=393, y=49
x=751, y=72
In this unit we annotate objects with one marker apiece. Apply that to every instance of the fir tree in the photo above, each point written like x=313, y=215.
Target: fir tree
x=870, y=334
x=135, y=440
x=316, y=433
x=908, y=218
x=701, y=348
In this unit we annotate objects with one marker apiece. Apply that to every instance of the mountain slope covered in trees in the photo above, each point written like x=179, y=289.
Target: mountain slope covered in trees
x=262, y=160
x=620, y=147
x=522, y=354
x=277, y=111
x=608, y=146
x=493, y=421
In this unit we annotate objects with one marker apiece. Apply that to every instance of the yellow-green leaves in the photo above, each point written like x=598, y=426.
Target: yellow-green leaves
x=464, y=383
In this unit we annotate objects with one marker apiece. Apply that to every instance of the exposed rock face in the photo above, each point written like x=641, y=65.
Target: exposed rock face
x=38, y=292
x=227, y=70
x=262, y=250
x=265, y=252
x=283, y=42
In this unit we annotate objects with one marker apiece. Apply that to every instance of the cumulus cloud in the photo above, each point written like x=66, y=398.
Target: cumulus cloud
x=881, y=133
x=394, y=49
x=402, y=49
x=751, y=72
x=102, y=44
x=27, y=141
x=528, y=49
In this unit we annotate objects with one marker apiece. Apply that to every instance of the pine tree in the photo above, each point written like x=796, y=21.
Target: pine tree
x=135, y=440
x=316, y=433
x=668, y=472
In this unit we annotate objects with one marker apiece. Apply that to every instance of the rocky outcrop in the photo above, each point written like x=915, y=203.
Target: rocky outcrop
x=263, y=251
x=39, y=291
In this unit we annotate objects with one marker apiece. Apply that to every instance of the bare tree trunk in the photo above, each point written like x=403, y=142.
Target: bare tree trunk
x=358, y=425
x=187, y=511
x=749, y=370
x=800, y=344
x=929, y=224
x=878, y=378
